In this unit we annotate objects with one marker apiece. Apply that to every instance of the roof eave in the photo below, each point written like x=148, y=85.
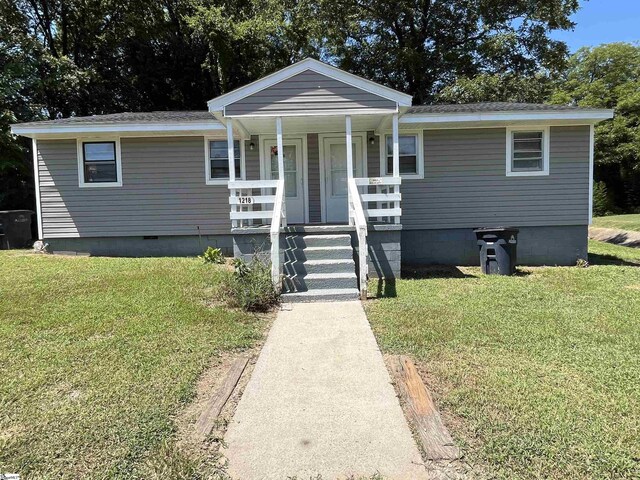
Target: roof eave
x=31, y=130
x=590, y=116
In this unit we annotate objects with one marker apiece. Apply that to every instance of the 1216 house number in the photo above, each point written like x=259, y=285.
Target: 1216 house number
x=245, y=200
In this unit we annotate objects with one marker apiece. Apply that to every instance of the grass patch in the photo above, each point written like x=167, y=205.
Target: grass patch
x=98, y=354
x=603, y=253
x=622, y=222
x=538, y=372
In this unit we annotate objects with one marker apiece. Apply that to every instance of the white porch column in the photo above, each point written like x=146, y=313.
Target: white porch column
x=396, y=161
x=396, y=147
x=347, y=120
x=230, y=151
x=232, y=170
x=280, y=148
x=349, y=148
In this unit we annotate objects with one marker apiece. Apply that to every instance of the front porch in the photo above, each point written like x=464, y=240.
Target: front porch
x=309, y=133
x=323, y=192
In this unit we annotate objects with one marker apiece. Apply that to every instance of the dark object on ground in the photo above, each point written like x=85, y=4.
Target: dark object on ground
x=434, y=436
x=498, y=248
x=217, y=402
x=15, y=229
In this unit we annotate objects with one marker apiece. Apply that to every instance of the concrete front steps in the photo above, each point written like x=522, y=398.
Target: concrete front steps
x=319, y=267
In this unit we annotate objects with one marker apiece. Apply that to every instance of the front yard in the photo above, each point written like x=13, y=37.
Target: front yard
x=98, y=354
x=537, y=375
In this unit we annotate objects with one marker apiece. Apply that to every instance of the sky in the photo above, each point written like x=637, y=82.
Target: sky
x=603, y=21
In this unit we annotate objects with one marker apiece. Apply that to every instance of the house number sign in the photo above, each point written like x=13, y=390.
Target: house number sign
x=245, y=200
x=375, y=181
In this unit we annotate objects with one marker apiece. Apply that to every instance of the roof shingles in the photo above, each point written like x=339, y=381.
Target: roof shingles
x=133, y=117
x=163, y=117
x=489, y=107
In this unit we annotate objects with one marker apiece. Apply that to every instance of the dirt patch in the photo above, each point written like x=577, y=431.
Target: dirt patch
x=615, y=236
x=210, y=381
x=438, y=469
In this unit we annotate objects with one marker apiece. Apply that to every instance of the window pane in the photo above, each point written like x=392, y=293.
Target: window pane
x=535, y=145
x=97, y=172
x=527, y=135
x=526, y=155
x=408, y=164
x=389, y=145
x=100, y=152
x=290, y=184
x=527, y=165
x=220, y=159
x=527, y=151
x=407, y=145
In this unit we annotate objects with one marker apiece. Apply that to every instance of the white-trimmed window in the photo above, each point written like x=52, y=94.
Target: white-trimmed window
x=527, y=151
x=410, y=155
x=99, y=162
x=217, y=160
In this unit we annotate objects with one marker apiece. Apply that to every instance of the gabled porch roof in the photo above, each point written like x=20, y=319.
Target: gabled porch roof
x=311, y=84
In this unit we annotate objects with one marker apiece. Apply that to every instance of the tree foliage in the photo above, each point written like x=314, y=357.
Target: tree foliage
x=508, y=87
x=608, y=76
x=421, y=46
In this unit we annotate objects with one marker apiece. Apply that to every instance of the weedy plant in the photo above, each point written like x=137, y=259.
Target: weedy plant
x=250, y=287
x=212, y=255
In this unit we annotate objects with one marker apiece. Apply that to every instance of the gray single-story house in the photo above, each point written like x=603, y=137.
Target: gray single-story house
x=267, y=168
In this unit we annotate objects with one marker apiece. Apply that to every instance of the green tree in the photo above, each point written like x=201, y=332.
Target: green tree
x=608, y=76
x=496, y=87
x=421, y=46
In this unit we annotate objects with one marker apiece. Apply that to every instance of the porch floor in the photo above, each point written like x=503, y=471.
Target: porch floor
x=314, y=228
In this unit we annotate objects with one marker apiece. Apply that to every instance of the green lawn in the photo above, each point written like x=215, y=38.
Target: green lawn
x=538, y=374
x=98, y=354
x=622, y=222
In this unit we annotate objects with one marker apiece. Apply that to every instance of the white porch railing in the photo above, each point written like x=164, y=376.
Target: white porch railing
x=387, y=199
x=359, y=221
x=245, y=214
x=278, y=220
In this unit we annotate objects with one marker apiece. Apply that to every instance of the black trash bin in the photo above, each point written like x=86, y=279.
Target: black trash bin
x=498, y=248
x=15, y=228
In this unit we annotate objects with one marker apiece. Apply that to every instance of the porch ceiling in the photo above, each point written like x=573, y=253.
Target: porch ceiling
x=316, y=124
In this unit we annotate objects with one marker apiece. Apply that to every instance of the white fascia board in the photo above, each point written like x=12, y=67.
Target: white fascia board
x=218, y=103
x=582, y=115
x=31, y=130
x=319, y=113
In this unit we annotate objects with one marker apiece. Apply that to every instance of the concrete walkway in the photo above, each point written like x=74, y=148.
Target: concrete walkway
x=320, y=401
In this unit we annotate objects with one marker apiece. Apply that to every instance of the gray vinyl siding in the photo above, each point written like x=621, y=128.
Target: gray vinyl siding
x=308, y=91
x=313, y=173
x=163, y=192
x=373, y=155
x=465, y=184
x=252, y=158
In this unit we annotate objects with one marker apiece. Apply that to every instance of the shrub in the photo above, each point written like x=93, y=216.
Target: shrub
x=212, y=255
x=602, y=202
x=250, y=287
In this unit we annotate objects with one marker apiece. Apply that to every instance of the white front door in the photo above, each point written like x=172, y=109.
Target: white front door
x=334, y=153
x=293, y=174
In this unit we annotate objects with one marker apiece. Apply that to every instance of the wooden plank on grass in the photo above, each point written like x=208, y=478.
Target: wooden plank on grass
x=435, y=438
x=216, y=403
